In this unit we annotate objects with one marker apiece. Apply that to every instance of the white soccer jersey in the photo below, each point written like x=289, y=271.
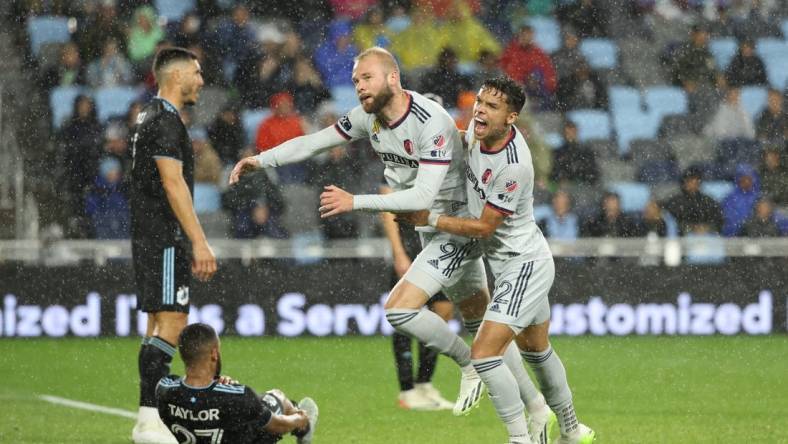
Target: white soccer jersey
x=504, y=181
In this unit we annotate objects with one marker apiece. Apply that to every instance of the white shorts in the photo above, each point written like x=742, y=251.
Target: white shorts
x=520, y=296
x=449, y=263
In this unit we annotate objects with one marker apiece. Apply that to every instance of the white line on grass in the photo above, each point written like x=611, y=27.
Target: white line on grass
x=87, y=406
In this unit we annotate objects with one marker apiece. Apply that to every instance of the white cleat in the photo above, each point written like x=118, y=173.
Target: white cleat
x=539, y=425
x=581, y=435
x=152, y=432
x=310, y=407
x=429, y=391
x=415, y=399
x=471, y=392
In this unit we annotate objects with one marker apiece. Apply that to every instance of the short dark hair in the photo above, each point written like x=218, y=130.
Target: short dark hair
x=166, y=56
x=515, y=95
x=195, y=340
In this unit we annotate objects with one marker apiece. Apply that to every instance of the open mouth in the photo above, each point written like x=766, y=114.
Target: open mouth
x=480, y=123
x=363, y=98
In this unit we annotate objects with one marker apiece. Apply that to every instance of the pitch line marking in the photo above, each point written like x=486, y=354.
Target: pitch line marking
x=87, y=406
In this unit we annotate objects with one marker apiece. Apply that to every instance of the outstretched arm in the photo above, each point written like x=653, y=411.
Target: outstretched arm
x=481, y=228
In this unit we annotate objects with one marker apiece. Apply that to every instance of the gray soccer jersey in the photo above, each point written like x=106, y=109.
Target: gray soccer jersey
x=503, y=180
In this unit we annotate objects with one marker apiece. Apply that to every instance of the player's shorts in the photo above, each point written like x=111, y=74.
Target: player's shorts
x=163, y=276
x=520, y=296
x=448, y=263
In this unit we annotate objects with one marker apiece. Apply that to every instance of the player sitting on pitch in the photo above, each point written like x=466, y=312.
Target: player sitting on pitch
x=203, y=407
x=500, y=178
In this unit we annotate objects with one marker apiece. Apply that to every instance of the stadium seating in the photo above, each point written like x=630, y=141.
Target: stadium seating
x=774, y=53
x=207, y=198
x=251, y=119
x=114, y=101
x=212, y=100
x=47, y=29
x=616, y=170
x=591, y=124
x=704, y=249
x=344, y=98
x=732, y=152
x=547, y=33
x=777, y=72
x=723, y=49
x=542, y=212
x=662, y=101
x=753, y=100
x=658, y=171
x=553, y=140
x=174, y=10
x=600, y=53
x=633, y=195
x=61, y=103
x=631, y=126
x=784, y=28
x=690, y=149
x=624, y=99
x=716, y=189
x=644, y=150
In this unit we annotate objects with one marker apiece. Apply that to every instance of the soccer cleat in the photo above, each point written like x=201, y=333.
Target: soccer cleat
x=540, y=424
x=581, y=435
x=152, y=432
x=429, y=391
x=471, y=392
x=415, y=399
x=310, y=407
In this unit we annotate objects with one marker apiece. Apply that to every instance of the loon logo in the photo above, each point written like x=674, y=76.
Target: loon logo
x=182, y=297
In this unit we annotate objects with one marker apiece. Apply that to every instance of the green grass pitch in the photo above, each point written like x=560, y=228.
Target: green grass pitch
x=630, y=390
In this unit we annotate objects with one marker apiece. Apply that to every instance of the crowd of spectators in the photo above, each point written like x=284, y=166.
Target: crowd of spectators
x=292, y=60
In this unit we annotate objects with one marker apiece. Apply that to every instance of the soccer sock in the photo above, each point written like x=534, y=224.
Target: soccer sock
x=511, y=357
x=550, y=373
x=403, y=357
x=154, y=363
x=432, y=330
x=428, y=359
x=500, y=384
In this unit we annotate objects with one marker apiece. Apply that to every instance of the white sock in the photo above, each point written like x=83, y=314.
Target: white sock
x=506, y=400
x=146, y=414
x=431, y=330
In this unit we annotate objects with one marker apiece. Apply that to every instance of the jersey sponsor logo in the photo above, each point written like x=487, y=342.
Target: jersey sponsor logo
x=182, y=296
x=408, y=146
x=439, y=141
x=475, y=182
x=191, y=415
x=393, y=158
x=510, y=185
x=344, y=122
x=486, y=176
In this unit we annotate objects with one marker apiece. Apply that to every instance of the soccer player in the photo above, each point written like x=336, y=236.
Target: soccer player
x=205, y=408
x=500, y=197
x=167, y=240
x=417, y=141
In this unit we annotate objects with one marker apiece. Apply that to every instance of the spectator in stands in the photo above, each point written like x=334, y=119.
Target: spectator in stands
x=746, y=68
x=351, y=9
x=561, y=223
x=465, y=103
x=488, y=67
x=340, y=170
x=188, y=31
x=756, y=19
x=226, y=133
x=568, y=56
x=235, y=37
x=308, y=89
x=372, y=31
x=111, y=69
x=522, y=58
x=467, y=36
x=610, y=221
x=334, y=58
x=107, y=204
x=144, y=34
x=101, y=25
x=772, y=124
x=581, y=90
x=763, y=222
x=207, y=165
x=590, y=18
x=283, y=124
x=398, y=19
x=69, y=72
x=417, y=47
x=445, y=80
x=731, y=120
x=574, y=162
x=693, y=210
x=774, y=175
x=116, y=145
x=738, y=205
x=652, y=221
x=693, y=64
x=256, y=205
x=266, y=71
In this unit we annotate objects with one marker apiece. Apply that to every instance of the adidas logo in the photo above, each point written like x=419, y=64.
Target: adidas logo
x=495, y=308
x=433, y=262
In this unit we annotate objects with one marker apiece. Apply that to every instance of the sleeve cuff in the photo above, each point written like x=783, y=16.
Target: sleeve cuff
x=501, y=210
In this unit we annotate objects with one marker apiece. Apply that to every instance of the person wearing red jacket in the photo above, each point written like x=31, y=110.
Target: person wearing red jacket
x=523, y=58
x=283, y=124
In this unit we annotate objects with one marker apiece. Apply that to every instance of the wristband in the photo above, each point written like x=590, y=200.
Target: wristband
x=432, y=220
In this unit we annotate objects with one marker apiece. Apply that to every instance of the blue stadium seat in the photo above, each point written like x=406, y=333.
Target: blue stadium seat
x=666, y=100
x=600, y=53
x=591, y=124
x=753, y=100
x=114, y=101
x=174, y=10
x=207, y=198
x=632, y=125
x=634, y=196
x=777, y=72
x=771, y=48
x=704, y=249
x=61, y=103
x=723, y=49
x=784, y=28
x=542, y=212
x=344, y=98
x=624, y=99
x=658, y=171
x=671, y=225
x=47, y=29
x=251, y=119
x=553, y=140
x=547, y=33
x=716, y=189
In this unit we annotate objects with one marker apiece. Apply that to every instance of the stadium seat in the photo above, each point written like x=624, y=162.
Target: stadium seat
x=666, y=100
x=553, y=140
x=542, y=212
x=212, y=100
x=344, y=98
x=47, y=29
x=771, y=48
x=665, y=190
x=716, y=189
x=174, y=10
x=723, y=50
x=690, y=149
x=61, y=103
x=591, y=124
x=633, y=195
x=251, y=119
x=675, y=126
x=207, y=198
x=777, y=72
x=624, y=99
x=704, y=249
x=753, y=100
x=114, y=101
x=547, y=33
x=600, y=53
x=616, y=170
x=784, y=28
x=643, y=151
x=631, y=126
x=658, y=171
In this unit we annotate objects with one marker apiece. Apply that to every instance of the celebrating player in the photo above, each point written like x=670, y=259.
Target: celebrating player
x=203, y=407
x=500, y=197
x=163, y=224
